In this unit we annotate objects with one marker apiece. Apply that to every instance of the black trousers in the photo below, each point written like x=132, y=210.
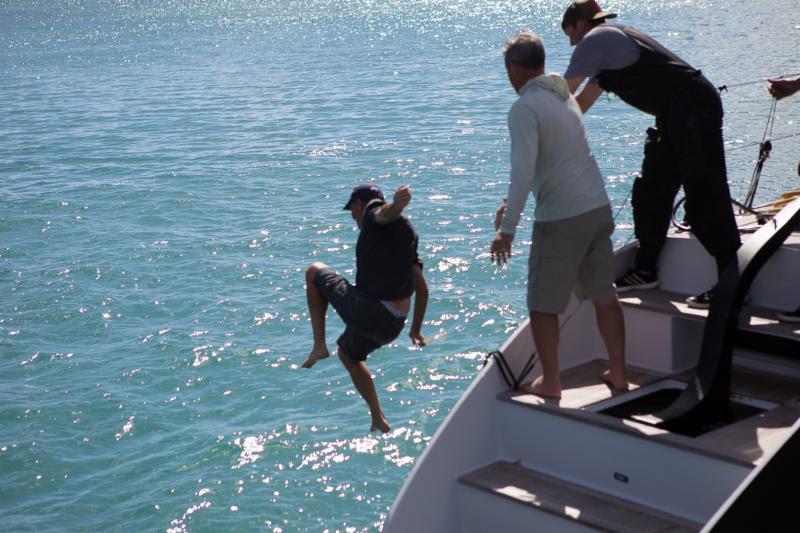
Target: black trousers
x=685, y=149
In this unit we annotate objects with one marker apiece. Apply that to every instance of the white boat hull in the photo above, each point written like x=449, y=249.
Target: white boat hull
x=628, y=475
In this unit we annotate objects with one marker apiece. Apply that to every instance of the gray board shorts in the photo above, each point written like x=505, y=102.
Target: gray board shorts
x=572, y=253
x=369, y=325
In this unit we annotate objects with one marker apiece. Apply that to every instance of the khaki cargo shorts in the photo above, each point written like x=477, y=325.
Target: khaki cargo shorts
x=573, y=253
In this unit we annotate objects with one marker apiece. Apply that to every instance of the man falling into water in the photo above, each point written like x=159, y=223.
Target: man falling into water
x=571, y=248
x=683, y=149
x=374, y=310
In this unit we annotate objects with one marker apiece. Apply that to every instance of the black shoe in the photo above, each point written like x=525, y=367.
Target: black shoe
x=637, y=280
x=701, y=301
x=790, y=316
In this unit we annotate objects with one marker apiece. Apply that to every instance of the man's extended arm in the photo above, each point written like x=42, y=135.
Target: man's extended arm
x=524, y=131
x=389, y=211
x=574, y=83
x=588, y=95
x=523, y=128
x=420, y=306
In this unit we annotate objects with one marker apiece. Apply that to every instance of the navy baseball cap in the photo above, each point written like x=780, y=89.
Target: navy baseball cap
x=364, y=192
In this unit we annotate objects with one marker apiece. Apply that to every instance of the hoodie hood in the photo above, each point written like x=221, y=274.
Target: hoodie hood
x=553, y=82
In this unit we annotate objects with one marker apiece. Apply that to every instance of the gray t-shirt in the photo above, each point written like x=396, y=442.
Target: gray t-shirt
x=605, y=47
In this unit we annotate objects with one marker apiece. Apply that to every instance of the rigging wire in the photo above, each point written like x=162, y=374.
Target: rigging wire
x=724, y=88
x=770, y=116
x=619, y=210
x=763, y=154
x=749, y=145
x=765, y=147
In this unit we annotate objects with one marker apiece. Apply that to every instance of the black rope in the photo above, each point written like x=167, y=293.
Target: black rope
x=680, y=225
x=749, y=209
x=527, y=368
x=505, y=370
x=760, y=216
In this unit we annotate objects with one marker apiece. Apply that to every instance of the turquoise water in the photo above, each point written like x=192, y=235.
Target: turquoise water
x=169, y=169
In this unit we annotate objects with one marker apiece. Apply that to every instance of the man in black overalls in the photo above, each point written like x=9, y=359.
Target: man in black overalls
x=683, y=149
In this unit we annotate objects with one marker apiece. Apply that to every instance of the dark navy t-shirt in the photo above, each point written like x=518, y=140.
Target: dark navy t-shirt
x=385, y=255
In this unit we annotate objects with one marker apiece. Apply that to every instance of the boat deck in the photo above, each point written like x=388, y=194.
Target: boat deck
x=745, y=442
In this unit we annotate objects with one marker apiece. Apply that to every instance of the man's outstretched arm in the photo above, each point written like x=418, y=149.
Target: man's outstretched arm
x=523, y=127
x=388, y=212
x=420, y=306
x=588, y=95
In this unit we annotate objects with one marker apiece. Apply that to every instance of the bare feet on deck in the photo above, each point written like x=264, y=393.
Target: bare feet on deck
x=380, y=424
x=316, y=354
x=617, y=381
x=539, y=388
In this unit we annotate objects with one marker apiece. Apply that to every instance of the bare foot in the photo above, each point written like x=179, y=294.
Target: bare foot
x=315, y=355
x=615, y=382
x=538, y=388
x=380, y=424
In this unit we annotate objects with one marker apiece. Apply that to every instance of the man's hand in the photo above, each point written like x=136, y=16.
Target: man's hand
x=416, y=338
x=389, y=212
x=783, y=87
x=501, y=248
x=402, y=196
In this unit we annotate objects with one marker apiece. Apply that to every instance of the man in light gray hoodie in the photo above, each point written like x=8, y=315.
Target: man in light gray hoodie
x=571, y=248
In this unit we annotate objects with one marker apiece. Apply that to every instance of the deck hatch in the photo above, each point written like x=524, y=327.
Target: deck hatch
x=640, y=405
